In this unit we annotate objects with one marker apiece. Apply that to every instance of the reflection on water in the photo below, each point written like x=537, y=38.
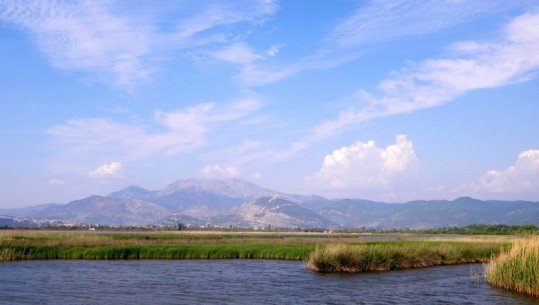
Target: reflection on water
x=236, y=282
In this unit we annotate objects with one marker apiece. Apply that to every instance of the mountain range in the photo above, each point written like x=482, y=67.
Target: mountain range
x=236, y=203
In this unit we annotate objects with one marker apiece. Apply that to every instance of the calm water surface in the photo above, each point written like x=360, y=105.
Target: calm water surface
x=236, y=282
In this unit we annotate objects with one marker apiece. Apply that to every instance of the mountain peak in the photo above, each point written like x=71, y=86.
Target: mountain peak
x=232, y=188
x=239, y=203
x=132, y=192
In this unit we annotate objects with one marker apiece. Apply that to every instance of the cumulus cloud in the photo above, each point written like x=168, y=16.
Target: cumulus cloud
x=221, y=172
x=106, y=170
x=366, y=166
x=520, y=178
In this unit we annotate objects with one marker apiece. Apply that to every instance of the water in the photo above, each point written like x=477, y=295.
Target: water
x=236, y=282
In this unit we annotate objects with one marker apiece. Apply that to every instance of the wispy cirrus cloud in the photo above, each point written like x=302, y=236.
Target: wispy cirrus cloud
x=437, y=81
x=116, y=42
x=239, y=53
x=242, y=53
x=472, y=65
x=380, y=21
x=212, y=14
x=372, y=24
x=433, y=82
x=169, y=133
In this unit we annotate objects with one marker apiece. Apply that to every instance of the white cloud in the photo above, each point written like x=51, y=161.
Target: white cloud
x=170, y=133
x=86, y=36
x=218, y=13
x=373, y=23
x=387, y=20
x=475, y=65
x=366, y=166
x=520, y=178
x=106, y=170
x=273, y=50
x=221, y=172
x=122, y=42
x=239, y=53
x=56, y=182
x=242, y=53
x=434, y=82
x=437, y=81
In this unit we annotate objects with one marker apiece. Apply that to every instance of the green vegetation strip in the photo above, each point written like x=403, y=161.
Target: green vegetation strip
x=382, y=256
x=38, y=245
x=319, y=251
x=517, y=269
x=200, y=251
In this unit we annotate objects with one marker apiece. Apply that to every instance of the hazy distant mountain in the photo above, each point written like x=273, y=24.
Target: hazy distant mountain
x=29, y=210
x=106, y=210
x=458, y=213
x=191, y=195
x=280, y=212
x=133, y=192
x=237, y=203
x=350, y=213
x=231, y=188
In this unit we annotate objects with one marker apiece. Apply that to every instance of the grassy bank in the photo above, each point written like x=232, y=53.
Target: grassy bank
x=407, y=252
x=201, y=251
x=382, y=256
x=517, y=269
x=37, y=245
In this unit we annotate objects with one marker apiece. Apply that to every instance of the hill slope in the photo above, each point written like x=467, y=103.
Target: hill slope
x=238, y=203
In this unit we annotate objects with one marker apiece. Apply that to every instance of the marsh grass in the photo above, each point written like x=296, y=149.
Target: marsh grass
x=383, y=256
x=336, y=258
x=516, y=269
x=200, y=251
x=359, y=255
x=36, y=245
x=9, y=254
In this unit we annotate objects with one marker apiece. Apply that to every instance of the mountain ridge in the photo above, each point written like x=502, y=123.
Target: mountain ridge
x=236, y=203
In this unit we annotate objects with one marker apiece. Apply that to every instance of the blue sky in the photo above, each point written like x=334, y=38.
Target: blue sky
x=381, y=100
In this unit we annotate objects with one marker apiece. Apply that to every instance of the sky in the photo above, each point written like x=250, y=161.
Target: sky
x=382, y=100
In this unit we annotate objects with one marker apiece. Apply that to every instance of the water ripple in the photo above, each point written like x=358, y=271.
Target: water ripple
x=236, y=282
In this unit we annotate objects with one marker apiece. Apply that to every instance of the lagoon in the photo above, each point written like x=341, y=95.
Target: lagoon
x=237, y=282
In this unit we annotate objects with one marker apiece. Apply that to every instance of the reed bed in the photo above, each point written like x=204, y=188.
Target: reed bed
x=37, y=245
x=383, y=256
x=200, y=251
x=8, y=254
x=516, y=269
